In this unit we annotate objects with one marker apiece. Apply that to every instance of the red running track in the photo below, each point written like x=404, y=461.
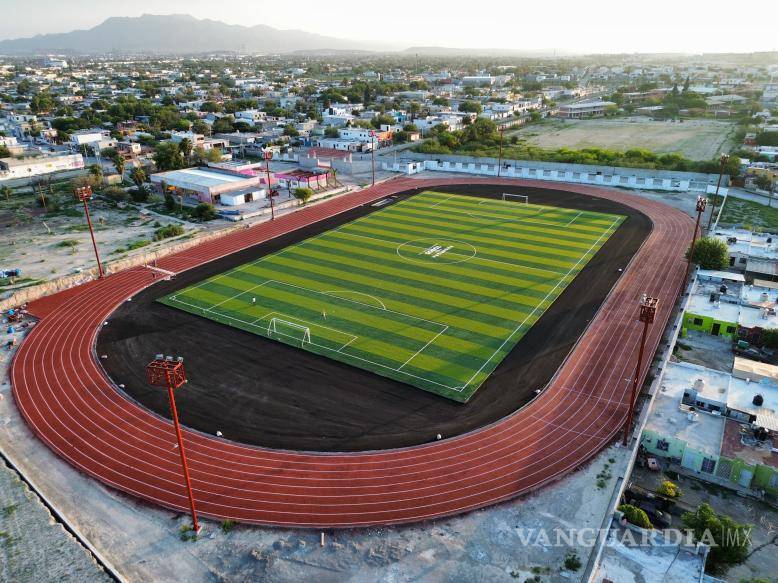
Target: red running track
x=73, y=407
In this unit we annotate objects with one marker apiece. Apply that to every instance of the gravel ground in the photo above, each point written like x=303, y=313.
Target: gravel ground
x=33, y=547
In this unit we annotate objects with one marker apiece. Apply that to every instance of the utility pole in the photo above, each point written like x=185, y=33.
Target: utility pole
x=648, y=308
x=267, y=156
x=84, y=194
x=372, y=153
x=499, y=159
x=722, y=162
x=166, y=371
x=702, y=202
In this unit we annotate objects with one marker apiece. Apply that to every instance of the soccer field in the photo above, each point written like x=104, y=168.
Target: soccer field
x=433, y=291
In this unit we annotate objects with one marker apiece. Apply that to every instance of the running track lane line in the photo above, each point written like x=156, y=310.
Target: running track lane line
x=76, y=410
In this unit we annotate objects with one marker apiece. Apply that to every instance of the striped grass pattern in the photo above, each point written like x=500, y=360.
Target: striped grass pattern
x=433, y=291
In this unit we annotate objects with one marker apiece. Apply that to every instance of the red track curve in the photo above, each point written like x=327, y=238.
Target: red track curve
x=73, y=407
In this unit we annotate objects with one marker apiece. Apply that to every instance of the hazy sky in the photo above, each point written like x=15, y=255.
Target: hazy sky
x=573, y=25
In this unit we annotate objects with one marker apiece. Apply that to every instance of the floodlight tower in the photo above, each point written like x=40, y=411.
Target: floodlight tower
x=722, y=162
x=167, y=371
x=702, y=202
x=84, y=194
x=648, y=308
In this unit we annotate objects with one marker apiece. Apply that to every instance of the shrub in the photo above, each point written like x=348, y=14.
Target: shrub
x=168, y=231
x=138, y=244
x=115, y=193
x=170, y=202
x=572, y=562
x=139, y=194
x=670, y=489
x=204, y=211
x=636, y=516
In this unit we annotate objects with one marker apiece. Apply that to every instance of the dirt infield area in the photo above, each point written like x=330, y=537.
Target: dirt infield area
x=262, y=392
x=693, y=139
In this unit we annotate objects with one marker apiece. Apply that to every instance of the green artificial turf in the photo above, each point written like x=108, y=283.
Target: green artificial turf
x=433, y=291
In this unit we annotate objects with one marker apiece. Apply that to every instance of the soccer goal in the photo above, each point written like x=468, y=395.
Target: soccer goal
x=289, y=329
x=509, y=197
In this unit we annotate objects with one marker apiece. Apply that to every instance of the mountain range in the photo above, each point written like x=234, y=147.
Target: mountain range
x=179, y=34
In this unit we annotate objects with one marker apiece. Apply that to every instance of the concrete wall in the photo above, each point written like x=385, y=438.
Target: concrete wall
x=638, y=178
x=707, y=325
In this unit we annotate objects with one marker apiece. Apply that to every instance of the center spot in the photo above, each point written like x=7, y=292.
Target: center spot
x=436, y=250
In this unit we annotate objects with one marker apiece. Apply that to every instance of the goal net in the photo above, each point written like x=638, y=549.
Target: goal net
x=289, y=330
x=509, y=197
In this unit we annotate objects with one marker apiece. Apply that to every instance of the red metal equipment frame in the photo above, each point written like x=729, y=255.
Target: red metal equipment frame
x=648, y=308
x=165, y=371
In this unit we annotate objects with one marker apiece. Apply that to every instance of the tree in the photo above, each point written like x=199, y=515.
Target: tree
x=5, y=152
x=119, y=163
x=185, y=146
x=42, y=102
x=302, y=194
x=96, y=173
x=213, y=155
x=167, y=156
x=7, y=192
x=204, y=211
x=763, y=182
x=470, y=107
x=710, y=253
x=331, y=132
x=729, y=541
x=138, y=176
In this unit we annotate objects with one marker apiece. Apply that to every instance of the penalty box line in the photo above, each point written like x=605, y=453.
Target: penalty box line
x=355, y=357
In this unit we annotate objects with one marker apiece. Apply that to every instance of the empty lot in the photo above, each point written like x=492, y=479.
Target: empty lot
x=695, y=139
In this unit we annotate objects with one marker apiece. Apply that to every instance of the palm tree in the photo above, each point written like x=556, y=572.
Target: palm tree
x=185, y=146
x=119, y=162
x=138, y=176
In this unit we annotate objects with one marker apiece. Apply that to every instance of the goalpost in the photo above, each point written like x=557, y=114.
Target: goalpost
x=509, y=197
x=275, y=323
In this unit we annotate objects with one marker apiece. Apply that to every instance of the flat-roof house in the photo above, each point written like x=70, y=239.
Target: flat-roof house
x=584, y=109
x=211, y=185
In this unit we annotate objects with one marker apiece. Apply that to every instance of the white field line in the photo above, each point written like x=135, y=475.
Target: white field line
x=513, y=265
x=510, y=336
x=423, y=347
x=573, y=219
x=365, y=360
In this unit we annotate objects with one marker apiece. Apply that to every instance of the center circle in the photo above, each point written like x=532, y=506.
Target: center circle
x=438, y=250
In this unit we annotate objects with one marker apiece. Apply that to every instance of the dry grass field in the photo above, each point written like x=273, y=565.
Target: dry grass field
x=694, y=139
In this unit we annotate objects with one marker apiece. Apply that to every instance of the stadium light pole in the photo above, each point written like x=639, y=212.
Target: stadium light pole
x=647, y=313
x=168, y=371
x=269, y=155
x=499, y=159
x=722, y=162
x=372, y=153
x=84, y=194
x=702, y=202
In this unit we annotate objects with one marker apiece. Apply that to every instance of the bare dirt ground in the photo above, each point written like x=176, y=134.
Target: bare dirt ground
x=46, y=245
x=694, y=139
x=712, y=352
